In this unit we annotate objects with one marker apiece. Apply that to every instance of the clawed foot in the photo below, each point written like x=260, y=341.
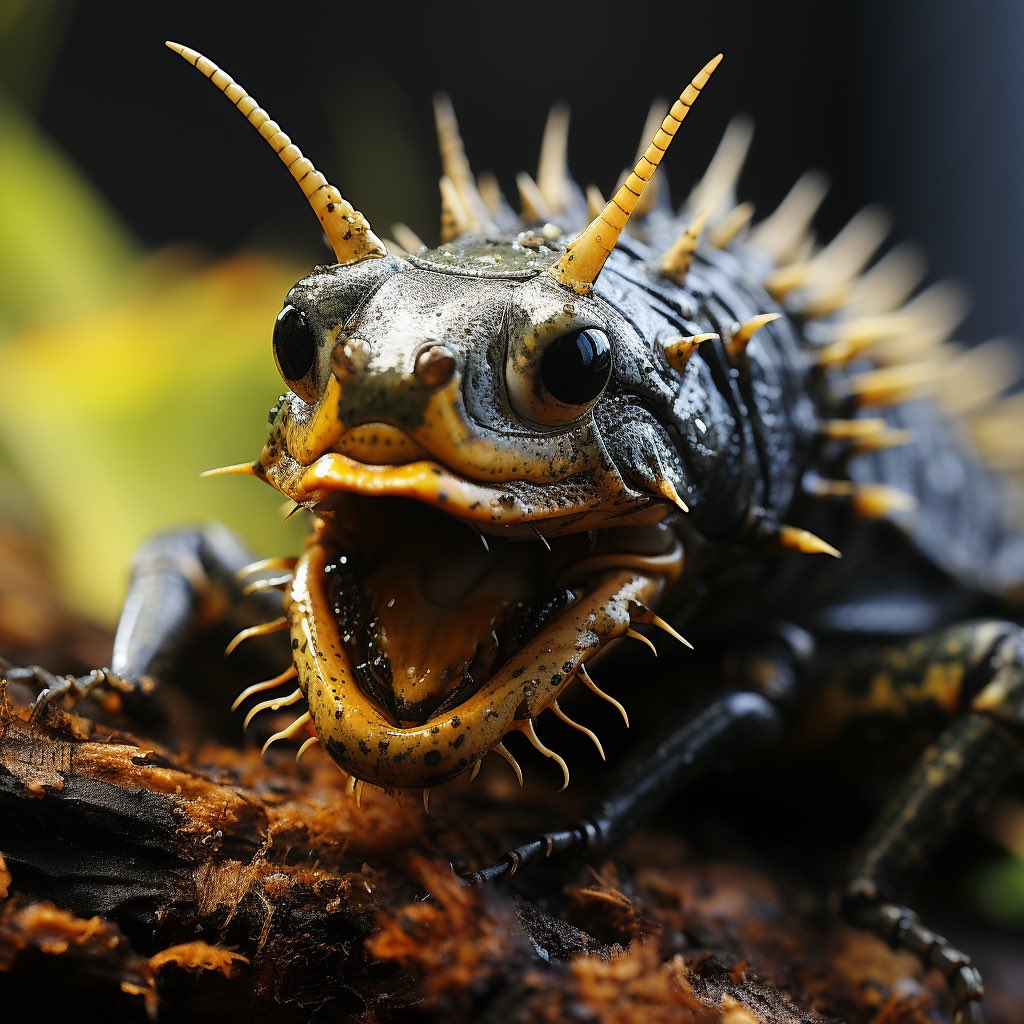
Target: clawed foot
x=54, y=689
x=902, y=928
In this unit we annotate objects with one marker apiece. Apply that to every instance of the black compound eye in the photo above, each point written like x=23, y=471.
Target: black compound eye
x=294, y=344
x=576, y=366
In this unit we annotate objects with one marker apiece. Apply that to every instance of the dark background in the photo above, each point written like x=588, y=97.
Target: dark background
x=918, y=104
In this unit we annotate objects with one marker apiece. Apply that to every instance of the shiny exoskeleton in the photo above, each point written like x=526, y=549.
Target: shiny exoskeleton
x=671, y=418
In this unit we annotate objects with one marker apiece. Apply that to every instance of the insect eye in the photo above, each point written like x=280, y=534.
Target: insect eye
x=576, y=366
x=294, y=348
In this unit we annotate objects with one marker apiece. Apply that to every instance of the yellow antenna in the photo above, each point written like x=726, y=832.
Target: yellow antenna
x=346, y=228
x=586, y=255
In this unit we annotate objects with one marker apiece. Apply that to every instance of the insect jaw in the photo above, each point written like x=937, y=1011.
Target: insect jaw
x=373, y=743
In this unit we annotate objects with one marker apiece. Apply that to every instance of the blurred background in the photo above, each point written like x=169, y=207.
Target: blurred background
x=147, y=236
x=918, y=104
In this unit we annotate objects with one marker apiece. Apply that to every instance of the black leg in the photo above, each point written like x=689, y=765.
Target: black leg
x=731, y=724
x=181, y=581
x=748, y=717
x=952, y=778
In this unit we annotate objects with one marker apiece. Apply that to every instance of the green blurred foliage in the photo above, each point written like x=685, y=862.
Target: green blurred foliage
x=997, y=891
x=996, y=888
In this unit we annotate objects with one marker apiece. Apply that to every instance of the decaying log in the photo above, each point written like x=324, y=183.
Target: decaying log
x=213, y=882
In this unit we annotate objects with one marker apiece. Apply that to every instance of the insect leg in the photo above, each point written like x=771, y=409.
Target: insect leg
x=730, y=725
x=181, y=581
x=956, y=774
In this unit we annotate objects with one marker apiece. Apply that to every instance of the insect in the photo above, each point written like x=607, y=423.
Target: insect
x=560, y=425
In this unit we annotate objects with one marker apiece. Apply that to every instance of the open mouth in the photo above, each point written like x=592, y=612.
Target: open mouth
x=420, y=642
x=429, y=608
x=432, y=614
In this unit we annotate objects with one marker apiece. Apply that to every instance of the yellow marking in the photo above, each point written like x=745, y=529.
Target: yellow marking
x=530, y=732
x=454, y=218
x=553, y=166
x=724, y=233
x=380, y=444
x=456, y=167
x=737, y=344
x=675, y=264
x=940, y=683
x=589, y=683
x=263, y=629
x=500, y=748
x=943, y=683
x=784, y=232
x=805, y=541
x=678, y=352
x=572, y=723
x=534, y=208
x=432, y=483
x=286, y=676
x=274, y=704
x=239, y=469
